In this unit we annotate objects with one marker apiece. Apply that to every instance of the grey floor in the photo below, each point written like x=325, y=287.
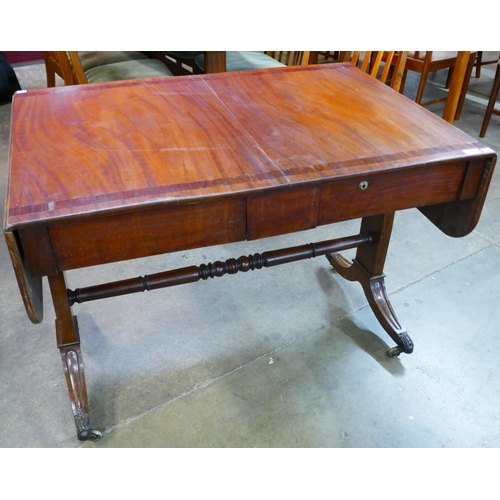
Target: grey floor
x=284, y=357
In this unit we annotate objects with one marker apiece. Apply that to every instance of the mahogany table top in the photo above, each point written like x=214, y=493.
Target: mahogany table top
x=119, y=146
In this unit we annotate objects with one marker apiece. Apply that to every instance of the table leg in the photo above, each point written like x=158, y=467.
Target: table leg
x=367, y=269
x=68, y=342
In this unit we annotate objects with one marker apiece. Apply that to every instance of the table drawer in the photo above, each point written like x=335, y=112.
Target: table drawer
x=148, y=232
x=281, y=211
x=379, y=193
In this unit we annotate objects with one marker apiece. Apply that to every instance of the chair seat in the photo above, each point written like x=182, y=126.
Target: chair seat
x=436, y=55
x=92, y=59
x=128, y=70
x=239, y=61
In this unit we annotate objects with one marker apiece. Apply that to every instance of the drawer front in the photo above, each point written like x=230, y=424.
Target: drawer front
x=380, y=193
x=282, y=211
x=148, y=232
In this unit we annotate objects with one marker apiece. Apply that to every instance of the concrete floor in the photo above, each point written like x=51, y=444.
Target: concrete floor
x=286, y=357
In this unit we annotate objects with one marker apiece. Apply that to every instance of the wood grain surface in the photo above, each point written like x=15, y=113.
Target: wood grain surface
x=123, y=170
x=108, y=148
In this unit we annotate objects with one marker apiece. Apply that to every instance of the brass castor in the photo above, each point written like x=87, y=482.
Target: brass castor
x=95, y=435
x=394, y=352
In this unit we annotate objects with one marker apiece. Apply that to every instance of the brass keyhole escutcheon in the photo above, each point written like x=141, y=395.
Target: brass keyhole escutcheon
x=363, y=185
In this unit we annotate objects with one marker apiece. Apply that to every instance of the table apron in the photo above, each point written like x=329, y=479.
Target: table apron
x=70, y=244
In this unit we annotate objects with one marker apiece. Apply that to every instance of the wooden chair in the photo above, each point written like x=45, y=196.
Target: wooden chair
x=239, y=61
x=89, y=60
x=53, y=67
x=327, y=56
x=124, y=70
x=322, y=57
x=490, y=109
x=480, y=62
x=429, y=61
x=291, y=58
x=386, y=66
x=176, y=62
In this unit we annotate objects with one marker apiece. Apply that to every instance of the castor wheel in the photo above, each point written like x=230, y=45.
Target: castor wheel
x=95, y=435
x=394, y=352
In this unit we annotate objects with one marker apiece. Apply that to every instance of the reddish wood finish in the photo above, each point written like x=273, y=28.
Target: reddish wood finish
x=367, y=268
x=122, y=170
x=294, y=209
x=193, y=274
x=148, y=232
x=120, y=147
x=30, y=285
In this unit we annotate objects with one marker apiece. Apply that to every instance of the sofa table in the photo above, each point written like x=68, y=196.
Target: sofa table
x=124, y=170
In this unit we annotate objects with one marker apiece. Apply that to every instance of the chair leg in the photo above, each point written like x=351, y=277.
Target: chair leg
x=51, y=78
x=49, y=69
x=403, y=81
x=491, y=103
x=465, y=86
x=449, y=77
x=479, y=63
x=421, y=86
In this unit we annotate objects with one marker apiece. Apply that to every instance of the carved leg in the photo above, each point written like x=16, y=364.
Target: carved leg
x=367, y=269
x=73, y=369
x=68, y=342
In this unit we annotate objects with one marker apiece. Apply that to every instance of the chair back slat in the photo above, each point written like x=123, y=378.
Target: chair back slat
x=67, y=65
x=366, y=65
x=76, y=65
x=355, y=57
x=398, y=65
x=291, y=58
x=388, y=59
x=376, y=60
x=386, y=66
x=55, y=64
